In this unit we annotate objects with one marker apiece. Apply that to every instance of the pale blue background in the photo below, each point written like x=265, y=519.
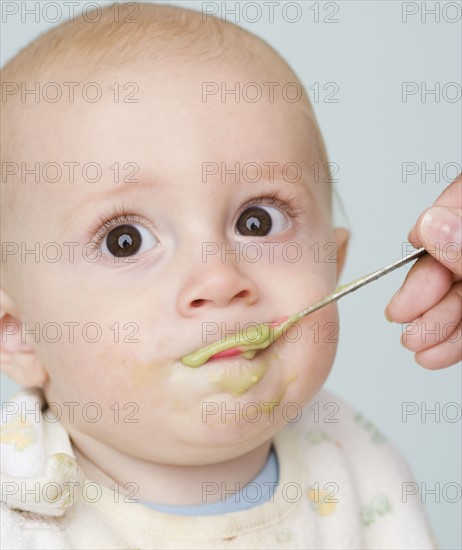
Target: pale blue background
x=369, y=134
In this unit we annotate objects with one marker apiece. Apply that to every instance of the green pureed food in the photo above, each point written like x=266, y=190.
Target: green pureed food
x=248, y=341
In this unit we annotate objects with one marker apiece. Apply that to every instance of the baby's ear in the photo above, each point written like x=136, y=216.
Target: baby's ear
x=342, y=236
x=19, y=360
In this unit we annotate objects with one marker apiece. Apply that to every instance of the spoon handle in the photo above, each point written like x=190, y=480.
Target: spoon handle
x=343, y=290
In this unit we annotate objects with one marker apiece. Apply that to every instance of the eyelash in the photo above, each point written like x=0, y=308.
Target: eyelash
x=119, y=217
x=107, y=222
x=288, y=204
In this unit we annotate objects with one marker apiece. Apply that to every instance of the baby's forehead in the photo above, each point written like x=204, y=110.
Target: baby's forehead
x=251, y=95
x=75, y=61
x=195, y=67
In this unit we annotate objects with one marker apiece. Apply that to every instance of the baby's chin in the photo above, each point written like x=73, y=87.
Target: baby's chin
x=234, y=400
x=220, y=409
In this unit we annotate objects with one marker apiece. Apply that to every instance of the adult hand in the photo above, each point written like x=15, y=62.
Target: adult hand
x=430, y=298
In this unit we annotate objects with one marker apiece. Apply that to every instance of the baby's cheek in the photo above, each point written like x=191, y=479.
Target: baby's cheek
x=309, y=351
x=130, y=376
x=118, y=399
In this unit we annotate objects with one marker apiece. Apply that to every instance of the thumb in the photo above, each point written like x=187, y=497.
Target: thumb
x=440, y=229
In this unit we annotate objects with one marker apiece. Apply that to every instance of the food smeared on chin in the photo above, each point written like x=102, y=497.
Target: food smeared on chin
x=246, y=343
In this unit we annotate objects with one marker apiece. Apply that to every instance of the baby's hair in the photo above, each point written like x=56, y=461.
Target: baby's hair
x=158, y=36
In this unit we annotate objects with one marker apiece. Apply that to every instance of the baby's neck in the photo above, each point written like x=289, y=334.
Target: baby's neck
x=165, y=483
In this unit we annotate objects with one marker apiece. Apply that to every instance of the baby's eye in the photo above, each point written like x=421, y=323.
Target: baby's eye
x=127, y=240
x=259, y=221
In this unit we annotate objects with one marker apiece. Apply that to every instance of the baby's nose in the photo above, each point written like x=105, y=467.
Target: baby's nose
x=217, y=286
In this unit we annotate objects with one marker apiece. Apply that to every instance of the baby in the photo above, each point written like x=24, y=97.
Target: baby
x=173, y=202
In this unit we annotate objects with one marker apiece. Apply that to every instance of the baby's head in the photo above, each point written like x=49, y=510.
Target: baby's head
x=180, y=195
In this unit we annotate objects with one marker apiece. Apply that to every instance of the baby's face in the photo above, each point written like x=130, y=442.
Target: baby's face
x=204, y=251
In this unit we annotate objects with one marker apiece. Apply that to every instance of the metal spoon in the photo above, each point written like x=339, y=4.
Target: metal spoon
x=358, y=283
x=267, y=336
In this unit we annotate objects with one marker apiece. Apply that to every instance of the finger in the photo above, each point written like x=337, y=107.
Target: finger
x=424, y=286
x=437, y=324
x=439, y=230
x=451, y=197
x=442, y=355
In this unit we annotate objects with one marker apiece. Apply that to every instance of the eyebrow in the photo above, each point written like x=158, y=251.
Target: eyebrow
x=120, y=191
x=279, y=177
x=269, y=174
x=276, y=174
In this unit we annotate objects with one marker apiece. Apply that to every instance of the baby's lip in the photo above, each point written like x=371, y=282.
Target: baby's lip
x=233, y=352
x=227, y=353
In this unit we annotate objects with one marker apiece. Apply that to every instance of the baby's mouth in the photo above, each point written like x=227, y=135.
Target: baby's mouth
x=247, y=342
x=227, y=353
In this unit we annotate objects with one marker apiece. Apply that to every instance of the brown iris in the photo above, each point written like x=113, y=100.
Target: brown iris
x=254, y=221
x=124, y=240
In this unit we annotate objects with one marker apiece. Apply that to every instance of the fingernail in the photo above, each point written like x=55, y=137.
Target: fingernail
x=387, y=317
x=388, y=305
x=441, y=225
